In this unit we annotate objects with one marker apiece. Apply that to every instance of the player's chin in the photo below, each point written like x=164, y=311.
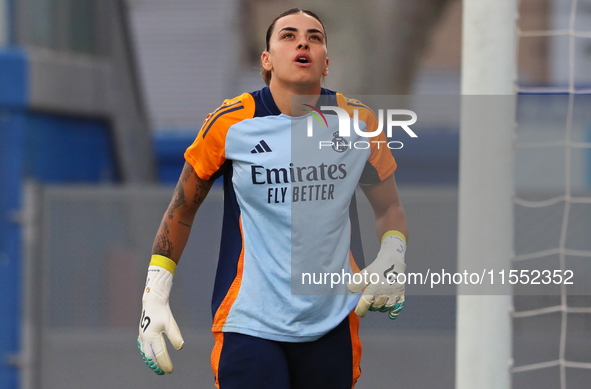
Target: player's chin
x=306, y=76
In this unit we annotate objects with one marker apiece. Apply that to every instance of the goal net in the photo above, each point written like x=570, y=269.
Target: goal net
x=552, y=200
x=535, y=197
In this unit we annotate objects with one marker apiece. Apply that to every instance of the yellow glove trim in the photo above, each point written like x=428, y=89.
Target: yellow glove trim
x=393, y=232
x=163, y=262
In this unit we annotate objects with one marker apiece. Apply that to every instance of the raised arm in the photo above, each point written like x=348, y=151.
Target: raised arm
x=173, y=234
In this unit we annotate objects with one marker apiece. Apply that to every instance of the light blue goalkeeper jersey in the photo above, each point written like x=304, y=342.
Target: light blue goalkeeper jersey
x=289, y=217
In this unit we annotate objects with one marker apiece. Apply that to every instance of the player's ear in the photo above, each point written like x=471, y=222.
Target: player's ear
x=325, y=72
x=266, y=61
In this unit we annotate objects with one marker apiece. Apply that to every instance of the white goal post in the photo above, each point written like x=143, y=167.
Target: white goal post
x=485, y=220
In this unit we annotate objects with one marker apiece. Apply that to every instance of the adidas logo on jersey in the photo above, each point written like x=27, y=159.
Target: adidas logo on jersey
x=261, y=147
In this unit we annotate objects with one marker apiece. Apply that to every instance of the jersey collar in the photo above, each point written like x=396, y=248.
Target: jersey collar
x=268, y=106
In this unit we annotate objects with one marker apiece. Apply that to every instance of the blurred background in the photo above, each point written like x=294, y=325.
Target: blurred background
x=100, y=98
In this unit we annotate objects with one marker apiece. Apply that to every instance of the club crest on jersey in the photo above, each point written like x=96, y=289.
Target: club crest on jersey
x=339, y=144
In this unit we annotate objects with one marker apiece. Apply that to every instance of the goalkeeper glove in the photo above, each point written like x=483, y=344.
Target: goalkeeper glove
x=384, y=293
x=157, y=317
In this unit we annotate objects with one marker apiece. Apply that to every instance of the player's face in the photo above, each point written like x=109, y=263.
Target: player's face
x=297, y=53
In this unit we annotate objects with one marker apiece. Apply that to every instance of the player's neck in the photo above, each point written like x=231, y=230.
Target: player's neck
x=282, y=95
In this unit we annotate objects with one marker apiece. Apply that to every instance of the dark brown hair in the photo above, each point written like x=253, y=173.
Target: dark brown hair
x=267, y=74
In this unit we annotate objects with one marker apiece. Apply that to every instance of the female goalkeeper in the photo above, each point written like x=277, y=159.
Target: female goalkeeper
x=286, y=214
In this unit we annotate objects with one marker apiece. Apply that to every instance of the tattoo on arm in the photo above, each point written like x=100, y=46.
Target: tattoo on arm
x=162, y=244
x=201, y=191
x=179, y=199
x=187, y=173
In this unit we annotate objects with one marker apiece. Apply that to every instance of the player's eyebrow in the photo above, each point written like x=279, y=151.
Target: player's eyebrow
x=310, y=30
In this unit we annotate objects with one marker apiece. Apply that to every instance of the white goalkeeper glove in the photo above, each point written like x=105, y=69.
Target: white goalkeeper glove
x=385, y=293
x=157, y=317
